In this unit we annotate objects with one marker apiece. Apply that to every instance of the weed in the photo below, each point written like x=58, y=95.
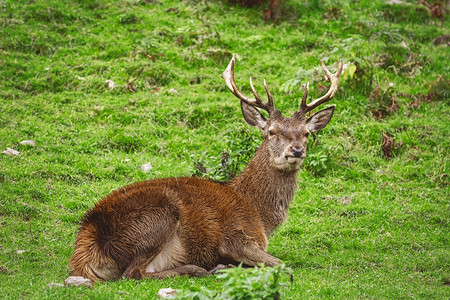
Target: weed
x=240, y=146
x=355, y=49
x=383, y=102
x=243, y=283
x=441, y=87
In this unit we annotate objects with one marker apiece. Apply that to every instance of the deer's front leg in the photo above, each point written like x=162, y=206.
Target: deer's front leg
x=186, y=270
x=249, y=250
x=137, y=267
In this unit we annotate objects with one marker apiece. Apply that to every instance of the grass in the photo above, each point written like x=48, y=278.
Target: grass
x=392, y=241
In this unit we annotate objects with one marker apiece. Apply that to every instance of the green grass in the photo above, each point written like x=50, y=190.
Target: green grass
x=392, y=241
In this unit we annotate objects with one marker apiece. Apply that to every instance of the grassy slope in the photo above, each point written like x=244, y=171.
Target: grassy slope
x=391, y=242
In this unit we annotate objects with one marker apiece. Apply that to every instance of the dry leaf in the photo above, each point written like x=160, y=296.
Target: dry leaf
x=28, y=143
x=10, y=151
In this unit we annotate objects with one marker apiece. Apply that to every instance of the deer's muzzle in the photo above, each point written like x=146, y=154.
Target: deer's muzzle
x=297, y=151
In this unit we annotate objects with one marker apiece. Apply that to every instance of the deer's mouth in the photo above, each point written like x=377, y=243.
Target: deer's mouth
x=293, y=159
x=289, y=163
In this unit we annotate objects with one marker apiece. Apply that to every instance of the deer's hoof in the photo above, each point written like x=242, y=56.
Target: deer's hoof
x=220, y=267
x=133, y=274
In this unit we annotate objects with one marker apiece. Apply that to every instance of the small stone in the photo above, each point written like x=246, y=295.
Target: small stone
x=146, y=167
x=10, y=151
x=347, y=201
x=126, y=160
x=21, y=251
x=404, y=45
x=55, y=285
x=344, y=200
x=327, y=197
x=164, y=293
x=81, y=78
x=122, y=293
x=173, y=91
x=77, y=281
x=28, y=143
x=99, y=108
x=110, y=84
x=396, y=2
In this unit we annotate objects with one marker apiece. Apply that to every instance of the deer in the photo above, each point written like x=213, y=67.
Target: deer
x=188, y=226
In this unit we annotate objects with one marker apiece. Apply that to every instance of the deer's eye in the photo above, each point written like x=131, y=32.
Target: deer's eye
x=271, y=132
x=307, y=134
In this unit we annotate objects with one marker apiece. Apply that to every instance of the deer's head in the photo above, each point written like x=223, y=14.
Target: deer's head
x=285, y=138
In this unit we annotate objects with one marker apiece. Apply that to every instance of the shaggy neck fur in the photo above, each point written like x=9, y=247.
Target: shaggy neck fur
x=267, y=188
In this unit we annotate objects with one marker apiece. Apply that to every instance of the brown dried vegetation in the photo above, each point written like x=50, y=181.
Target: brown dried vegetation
x=437, y=10
x=441, y=40
x=388, y=145
x=439, y=90
x=383, y=102
x=271, y=13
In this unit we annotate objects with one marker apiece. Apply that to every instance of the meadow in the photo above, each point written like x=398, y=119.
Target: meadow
x=106, y=86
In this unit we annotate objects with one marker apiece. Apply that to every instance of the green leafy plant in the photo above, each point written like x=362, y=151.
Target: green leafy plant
x=359, y=68
x=320, y=159
x=245, y=283
x=239, y=150
x=317, y=162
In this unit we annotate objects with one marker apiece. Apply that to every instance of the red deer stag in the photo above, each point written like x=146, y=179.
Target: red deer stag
x=187, y=226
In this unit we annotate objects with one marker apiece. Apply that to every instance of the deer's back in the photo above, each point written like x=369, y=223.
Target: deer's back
x=185, y=197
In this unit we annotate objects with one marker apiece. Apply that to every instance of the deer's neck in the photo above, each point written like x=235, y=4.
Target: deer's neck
x=267, y=189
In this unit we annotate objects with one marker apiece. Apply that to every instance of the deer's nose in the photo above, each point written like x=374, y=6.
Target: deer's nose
x=297, y=151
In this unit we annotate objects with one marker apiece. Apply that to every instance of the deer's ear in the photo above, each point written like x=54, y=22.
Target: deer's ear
x=320, y=119
x=253, y=116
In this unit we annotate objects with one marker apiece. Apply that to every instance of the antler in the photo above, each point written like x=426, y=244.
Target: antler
x=333, y=78
x=228, y=75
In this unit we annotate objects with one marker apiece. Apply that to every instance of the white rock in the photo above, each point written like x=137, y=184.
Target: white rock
x=404, y=45
x=391, y=84
x=10, y=151
x=81, y=78
x=110, y=84
x=126, y=160
x=54, y=285
x=396, y=2
x=77, y=281
x=164, y=293
x=173, y=91
x=21, y=251
x=28, y=143
x=146, y=167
